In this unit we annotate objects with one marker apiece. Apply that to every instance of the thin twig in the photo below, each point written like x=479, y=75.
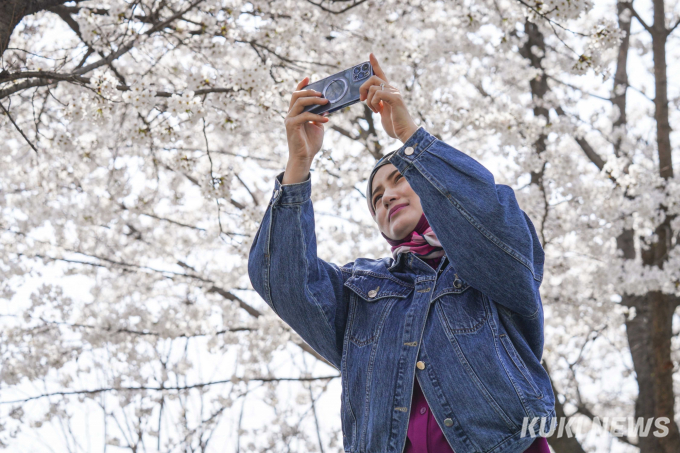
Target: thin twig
x=160, y=389
x=335, y=12
x=18, y=128
x=549, y=20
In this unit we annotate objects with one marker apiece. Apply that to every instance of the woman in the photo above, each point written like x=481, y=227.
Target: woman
x=439, y=346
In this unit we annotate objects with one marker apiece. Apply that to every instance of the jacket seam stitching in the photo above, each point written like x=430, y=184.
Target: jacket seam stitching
x=293, y=202
x=496, y=339
x=266, y=269
x=473, y=329
x=474, y=222
x=537, y=391
x=449, y=290
x=384, y=276
x=518, y=392
x=359, y=291
x=357, y=342
x=421, y=152
x=344, y=378
x=369, y=374
x=477, y=381
x=304, y=260
x=533, y=316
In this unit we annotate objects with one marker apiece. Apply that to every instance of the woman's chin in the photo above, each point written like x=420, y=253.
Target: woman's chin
x=400, y=227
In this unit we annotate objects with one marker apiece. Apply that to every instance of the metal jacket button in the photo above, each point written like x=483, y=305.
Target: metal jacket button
x=373, y=292
x=408, y=151
x=421, y=365
x=448, y=422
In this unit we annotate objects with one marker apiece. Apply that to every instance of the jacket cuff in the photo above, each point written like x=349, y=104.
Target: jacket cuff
x=291, y=193
x=412, y=149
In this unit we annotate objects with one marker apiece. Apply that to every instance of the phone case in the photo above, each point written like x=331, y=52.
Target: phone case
x=341, y=89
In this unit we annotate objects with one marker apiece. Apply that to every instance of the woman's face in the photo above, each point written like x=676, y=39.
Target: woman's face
x=397, y=207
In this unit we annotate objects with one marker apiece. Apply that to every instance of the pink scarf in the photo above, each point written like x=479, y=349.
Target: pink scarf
x=421, y=241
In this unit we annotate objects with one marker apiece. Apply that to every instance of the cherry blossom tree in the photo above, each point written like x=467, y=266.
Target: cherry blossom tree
x=141, y=139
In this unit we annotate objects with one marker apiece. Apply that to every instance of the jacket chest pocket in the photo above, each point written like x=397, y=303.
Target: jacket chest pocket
x=460, y=307
x=372, y=298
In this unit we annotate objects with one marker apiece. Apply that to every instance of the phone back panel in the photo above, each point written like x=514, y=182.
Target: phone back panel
x=341, y=89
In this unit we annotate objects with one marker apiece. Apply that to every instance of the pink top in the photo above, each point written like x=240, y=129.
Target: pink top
x=424, y=434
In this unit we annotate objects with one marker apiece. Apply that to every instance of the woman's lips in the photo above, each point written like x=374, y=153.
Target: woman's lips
x=397, y=209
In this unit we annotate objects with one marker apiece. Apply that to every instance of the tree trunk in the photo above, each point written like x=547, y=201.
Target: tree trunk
x=12, y=11
x=663, y=127
x=650, y=332
x=649, y=337
x=539, y=85
x=621, y=77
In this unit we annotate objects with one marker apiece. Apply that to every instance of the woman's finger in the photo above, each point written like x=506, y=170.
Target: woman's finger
x=376, y=97
x=389, y=100
x=303, y=101
x=372, y=81
x=371, y=96
x=302, y=84
x=377, y=70
x=373, y=88
x=302, y=94
x=304, y=117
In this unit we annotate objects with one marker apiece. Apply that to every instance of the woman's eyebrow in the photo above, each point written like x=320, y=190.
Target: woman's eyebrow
x=388, y=178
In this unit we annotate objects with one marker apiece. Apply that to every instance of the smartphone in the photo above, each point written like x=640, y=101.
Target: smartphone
x=341, y=89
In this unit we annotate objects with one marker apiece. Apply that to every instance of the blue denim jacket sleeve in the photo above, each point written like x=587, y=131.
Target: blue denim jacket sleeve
x=304, y=290
x=488, y=238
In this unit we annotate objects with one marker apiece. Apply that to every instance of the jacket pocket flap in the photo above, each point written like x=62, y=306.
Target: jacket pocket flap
x=450, y=283
x=372, y=287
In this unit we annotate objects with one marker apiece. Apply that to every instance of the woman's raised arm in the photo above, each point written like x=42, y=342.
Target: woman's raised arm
x=304, y=290
x=488, y=238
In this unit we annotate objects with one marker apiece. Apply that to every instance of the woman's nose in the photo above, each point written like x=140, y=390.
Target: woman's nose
x=388, y=198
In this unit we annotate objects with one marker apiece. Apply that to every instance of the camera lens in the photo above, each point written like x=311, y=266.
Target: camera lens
x=364, y=67
x=356, y=70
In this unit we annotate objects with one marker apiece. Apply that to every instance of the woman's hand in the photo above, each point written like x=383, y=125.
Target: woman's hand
x=388, y=102
x=304, y=131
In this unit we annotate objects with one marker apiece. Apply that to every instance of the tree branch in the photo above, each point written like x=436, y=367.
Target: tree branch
x=18, y=128
x=213, y=289
x=673, y=27
x=637, y=16
x=13, y=11
x=318, y=5
x=550, y=21
x=233, y=379
x=585, y=146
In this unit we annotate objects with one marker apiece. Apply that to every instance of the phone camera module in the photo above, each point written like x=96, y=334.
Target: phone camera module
x=361, y=72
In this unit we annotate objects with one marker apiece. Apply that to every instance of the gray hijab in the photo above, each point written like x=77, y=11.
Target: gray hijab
x=369, y=187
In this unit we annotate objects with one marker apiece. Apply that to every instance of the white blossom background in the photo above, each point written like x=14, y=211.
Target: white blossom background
x=140, y=140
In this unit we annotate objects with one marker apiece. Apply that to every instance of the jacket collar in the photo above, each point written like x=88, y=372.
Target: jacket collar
x=408, y=263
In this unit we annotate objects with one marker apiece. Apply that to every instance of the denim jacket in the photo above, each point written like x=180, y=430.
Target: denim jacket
x=471, y=331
